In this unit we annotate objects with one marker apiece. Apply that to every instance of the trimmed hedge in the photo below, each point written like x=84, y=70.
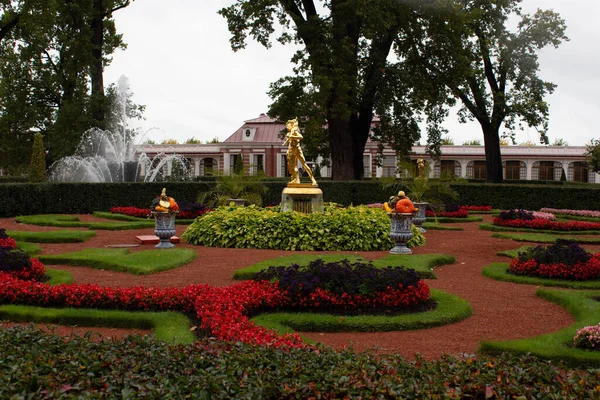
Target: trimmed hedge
x=85, y=198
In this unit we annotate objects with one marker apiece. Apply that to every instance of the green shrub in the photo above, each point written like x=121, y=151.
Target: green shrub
x=352, y=228
x=37, y=166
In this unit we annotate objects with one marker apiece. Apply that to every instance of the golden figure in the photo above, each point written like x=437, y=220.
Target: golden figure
x=420, y=166
x=294, y=152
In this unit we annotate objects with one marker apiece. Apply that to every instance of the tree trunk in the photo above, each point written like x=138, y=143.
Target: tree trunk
x=493, y=158
x=342, y=152
x=98, y=101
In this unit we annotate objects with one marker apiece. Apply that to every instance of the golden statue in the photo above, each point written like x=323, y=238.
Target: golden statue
x=294, y=152
x=420, y=167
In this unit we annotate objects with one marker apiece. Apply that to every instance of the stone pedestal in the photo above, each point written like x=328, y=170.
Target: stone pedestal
x=164, y=229
x=302, y=197
x=400, y=232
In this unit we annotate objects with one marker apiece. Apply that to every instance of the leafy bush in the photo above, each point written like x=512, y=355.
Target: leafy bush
x=142, y=367
x=341, y=277
x=516, y=214
x=562, y=260
x=16, y=262
x=352, y=228
x=588, y=338
x=562, y=251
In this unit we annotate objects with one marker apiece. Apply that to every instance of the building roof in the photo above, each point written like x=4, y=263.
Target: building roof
x=267, y=130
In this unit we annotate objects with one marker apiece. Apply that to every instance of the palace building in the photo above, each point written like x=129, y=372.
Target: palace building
x=258, y=143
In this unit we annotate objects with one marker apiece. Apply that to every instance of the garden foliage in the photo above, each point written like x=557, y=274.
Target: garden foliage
x=588, y=338
x=17, y=263
x=352, y=287
x=562, y=260
x=142, y=367
x=352, y=228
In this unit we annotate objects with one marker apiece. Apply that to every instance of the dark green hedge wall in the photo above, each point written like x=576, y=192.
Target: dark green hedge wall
x=48, y=198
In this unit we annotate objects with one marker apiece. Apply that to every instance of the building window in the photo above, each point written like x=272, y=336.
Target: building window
x=236, y=163
x=546, y=171
x=515, y=170
x=388, y=166
x=579, y=172
x=248, y=133
x=367, y=166
x=207, y=166
x=258, y=163
x=476, y=170
x=447, y=169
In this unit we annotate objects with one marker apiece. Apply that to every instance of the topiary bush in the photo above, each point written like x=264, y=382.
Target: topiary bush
x=16, y=262
x=37, y=165
x=335, y=229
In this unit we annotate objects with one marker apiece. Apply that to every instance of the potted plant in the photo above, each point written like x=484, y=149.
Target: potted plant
x=423, y=191
x=239, y=188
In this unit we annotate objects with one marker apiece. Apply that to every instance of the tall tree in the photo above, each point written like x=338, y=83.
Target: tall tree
x=49, y=58
x=343, y=76
x=492, y=70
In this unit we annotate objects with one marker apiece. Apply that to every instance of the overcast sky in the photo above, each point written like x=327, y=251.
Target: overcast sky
x=181, y=66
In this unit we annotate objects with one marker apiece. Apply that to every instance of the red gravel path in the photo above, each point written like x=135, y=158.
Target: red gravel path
x=501, y=310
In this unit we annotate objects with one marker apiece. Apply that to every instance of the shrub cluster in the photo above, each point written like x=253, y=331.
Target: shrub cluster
x=16, y=262
x=337, y=277
x=144, y=368
x=346, y=287
x=588, y=338
x=516, y=214
x=562, y=260
x=352, y=228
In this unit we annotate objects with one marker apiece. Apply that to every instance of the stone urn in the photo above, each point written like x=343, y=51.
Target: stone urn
x=401, y=232
x=419, y=217
x=164, y=228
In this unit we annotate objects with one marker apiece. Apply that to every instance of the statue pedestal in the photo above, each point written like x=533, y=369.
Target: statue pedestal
x=302, y=197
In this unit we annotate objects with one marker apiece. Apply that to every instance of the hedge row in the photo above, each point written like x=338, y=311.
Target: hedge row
x=49, y=198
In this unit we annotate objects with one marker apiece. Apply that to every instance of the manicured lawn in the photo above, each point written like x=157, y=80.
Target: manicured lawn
x=138, y=263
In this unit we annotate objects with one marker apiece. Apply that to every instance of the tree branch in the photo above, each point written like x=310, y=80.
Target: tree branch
x=6, y=28
x=124, y=5
x=487, y=62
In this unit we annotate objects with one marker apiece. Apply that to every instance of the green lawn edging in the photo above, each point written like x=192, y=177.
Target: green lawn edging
x=557, y=345
x=59, y=236
x=449, y=309
x=168, y=326
x=122, y=260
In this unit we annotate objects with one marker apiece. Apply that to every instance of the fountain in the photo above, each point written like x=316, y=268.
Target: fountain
x=110, y=155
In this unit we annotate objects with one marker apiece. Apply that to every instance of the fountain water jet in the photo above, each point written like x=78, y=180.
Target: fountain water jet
x=110, y=155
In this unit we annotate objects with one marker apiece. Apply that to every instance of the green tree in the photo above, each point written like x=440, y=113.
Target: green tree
x=37, y=165
x=592, y=154
x=51, y=60
x=474, y=142
x=560, y=142
x=343, y=74
x=447, y=141
x=466, y=48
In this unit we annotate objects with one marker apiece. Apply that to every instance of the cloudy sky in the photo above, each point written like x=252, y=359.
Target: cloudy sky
x=180, y=65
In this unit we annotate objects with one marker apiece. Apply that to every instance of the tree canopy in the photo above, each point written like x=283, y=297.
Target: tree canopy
x=402, y=62
x=52, y=56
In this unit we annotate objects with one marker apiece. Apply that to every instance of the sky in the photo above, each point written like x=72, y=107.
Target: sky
x=179, y=64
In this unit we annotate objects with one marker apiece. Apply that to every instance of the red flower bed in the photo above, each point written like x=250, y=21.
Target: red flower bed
x=476, y=208
x=8, y=242
x=222, y=311
x=144, y=212
x=462, y=213
x=579, y=271
x=539, y=223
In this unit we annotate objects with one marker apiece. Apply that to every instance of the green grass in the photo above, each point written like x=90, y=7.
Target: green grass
x=423, y=263
x=72, y=221
x=449, y=220
x=556, y=346
x=431, y=226
x=449, y=309
x=123, y=217
x=546, y=237
x=30, y=248
x=58, y=277
x=168, y=326
x=138, y=263
x=513, y=253
x=498, y=271
x=495, y=228
x=61, y=236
